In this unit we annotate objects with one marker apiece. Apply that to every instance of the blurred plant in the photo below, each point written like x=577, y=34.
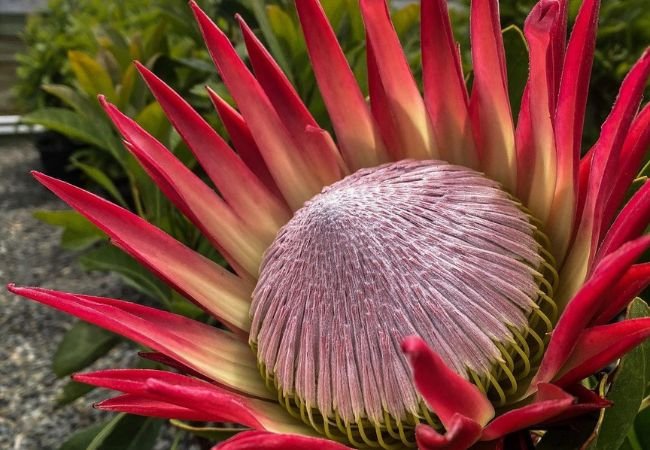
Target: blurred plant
x=100, y=61
x=72, y=57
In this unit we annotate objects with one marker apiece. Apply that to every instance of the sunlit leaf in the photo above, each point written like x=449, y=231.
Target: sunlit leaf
x=91, y=76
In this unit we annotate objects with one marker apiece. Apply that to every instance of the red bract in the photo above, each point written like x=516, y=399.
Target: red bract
x=432, y=276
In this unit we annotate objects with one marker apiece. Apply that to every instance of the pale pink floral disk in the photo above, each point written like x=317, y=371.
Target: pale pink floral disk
x=408, y=248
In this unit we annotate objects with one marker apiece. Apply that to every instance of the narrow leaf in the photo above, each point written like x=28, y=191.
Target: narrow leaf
x=111, y=259
x=82, y=438
x=627, y=391
x=127, y=432
x=81, y=345
x=74, y=126
x=517, y=64
x=78, y=232
x=91, y=76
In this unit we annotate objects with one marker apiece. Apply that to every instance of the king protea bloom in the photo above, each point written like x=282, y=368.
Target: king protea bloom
x=432, y=276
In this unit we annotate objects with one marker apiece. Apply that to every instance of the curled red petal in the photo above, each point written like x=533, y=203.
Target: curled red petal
x=550, y=402
x=586, y=304
x=635, y=280
x=213, y=402
x=635, y=147
x=262, y=440
x=601, y=345
x=605, y=164
x=446, y=392
x=586, y=401
x=630, y=223
x=460, y=434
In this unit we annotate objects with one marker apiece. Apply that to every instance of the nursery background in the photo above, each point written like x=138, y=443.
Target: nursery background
x=55, y=57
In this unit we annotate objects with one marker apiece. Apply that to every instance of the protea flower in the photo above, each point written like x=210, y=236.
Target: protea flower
x=434, y=276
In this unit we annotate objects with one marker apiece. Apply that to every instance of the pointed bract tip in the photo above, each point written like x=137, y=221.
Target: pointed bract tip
x=192, y=4
x=198, y=12
x=412, y=345
x=48, y=181
x=145, y=73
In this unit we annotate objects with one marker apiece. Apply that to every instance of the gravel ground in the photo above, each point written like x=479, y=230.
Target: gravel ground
x=29, y=332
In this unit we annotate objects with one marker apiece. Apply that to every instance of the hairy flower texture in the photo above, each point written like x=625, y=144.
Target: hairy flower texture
x=433, y=276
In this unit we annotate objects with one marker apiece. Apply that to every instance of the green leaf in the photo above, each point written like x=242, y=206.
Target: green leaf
x=99, y=177
x=91, y=76
x=82, y=438
x=78, y=232
x=257, y=7
x=152, y=118
x=517, y=61
x=626, y=392
x=336, y=12
x=356, y=20
x=642, y=428
x=181, y=305
x=127, y=86
x=127, y=432
x=406, y=19
x=72, y=391
x=110, y=259
x=571, y=436
x=82, y=345
x=284, y=28
x=91, y=130
x=71, y=98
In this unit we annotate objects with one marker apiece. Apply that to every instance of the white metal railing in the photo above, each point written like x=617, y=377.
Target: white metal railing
x=12, y=125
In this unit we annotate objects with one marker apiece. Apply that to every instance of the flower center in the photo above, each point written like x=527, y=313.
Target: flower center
x=409, y=248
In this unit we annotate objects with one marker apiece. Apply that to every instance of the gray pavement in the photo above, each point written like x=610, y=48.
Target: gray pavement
x=29, y=332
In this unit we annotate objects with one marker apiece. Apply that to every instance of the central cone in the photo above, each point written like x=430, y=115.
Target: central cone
x=410, y=248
